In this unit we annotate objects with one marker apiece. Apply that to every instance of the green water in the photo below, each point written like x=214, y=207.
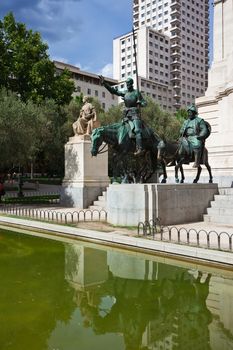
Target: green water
x=71, y=296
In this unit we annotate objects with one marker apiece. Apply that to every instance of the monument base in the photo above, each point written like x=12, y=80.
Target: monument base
x=86, y=177
x=130, y=204
x=218, y=111
x=77, y=195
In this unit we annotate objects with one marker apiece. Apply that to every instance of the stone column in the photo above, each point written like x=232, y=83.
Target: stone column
x=217, y=105
x=86, y=177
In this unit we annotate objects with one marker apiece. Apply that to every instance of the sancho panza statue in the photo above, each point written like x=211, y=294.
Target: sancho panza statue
x=133, y=100
x=193, y=133
x=87, y=119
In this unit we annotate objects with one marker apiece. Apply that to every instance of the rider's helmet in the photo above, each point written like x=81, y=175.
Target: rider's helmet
x=129, y=82
x=192, y=108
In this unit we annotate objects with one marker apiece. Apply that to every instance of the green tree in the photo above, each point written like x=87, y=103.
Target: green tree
x=25, y=65
x=50, y=138
x=181, y=115
x=71, y=113
x=31, y=134
x=113, y=115
x=18, y=125
x=165, y=124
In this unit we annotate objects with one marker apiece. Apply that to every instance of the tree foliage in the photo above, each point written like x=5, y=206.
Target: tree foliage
x=25, y=65
x=18, y=124
x=165, y=124
x=31, y=133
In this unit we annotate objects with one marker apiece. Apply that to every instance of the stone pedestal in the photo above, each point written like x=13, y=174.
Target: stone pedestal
x=86, y=177
x=217, y=105
x=130, y=204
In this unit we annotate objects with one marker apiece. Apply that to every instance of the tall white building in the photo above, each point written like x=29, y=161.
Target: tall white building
x=153, y=62
x=172, y=47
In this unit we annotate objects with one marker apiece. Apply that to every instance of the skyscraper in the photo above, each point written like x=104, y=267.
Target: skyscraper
x=172, y=47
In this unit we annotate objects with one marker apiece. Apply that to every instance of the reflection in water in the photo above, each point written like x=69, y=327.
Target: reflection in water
x=60, y=296
x=154, y=306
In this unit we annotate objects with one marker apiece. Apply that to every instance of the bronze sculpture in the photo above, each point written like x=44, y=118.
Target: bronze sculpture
x=117, y=137
x=193, y=133
x=168, y=153
x=190, y=147
x=133, y=101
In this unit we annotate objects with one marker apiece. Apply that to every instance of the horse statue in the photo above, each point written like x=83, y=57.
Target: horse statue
x=170, y=153
x=122, y=140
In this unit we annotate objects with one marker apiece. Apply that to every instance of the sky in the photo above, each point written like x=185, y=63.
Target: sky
x=78, y=32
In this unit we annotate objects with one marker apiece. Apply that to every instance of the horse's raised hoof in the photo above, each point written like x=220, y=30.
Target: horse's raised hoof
x=181, y=181
x=195, y=181
x=163, y=181
x=210, y=181
x=177, y=181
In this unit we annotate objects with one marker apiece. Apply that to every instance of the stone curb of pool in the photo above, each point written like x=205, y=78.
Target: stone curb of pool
x=208, y=255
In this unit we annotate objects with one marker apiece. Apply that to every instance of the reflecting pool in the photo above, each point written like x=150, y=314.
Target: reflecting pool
x=67, y=295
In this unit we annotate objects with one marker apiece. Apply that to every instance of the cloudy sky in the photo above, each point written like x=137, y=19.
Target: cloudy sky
x=79, y=32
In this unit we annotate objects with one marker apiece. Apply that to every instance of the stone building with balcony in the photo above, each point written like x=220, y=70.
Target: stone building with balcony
x=89, y=84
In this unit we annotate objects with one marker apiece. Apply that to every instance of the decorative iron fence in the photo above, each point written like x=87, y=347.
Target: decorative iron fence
x=56, y=215
x=181, y=235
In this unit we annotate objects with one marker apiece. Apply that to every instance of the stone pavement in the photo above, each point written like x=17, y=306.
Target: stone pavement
x=113, y=238
x=95, y=221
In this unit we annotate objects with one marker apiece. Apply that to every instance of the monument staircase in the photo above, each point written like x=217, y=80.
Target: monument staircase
x=221, y=210
x=100, y=203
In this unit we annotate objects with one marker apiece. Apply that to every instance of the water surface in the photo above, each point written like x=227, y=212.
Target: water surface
x=56, y=295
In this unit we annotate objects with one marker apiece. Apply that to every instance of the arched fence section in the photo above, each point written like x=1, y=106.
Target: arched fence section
x=56, y=216
x=187, y=236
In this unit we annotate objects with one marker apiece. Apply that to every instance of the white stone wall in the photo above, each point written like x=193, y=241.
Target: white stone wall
x=217, y=104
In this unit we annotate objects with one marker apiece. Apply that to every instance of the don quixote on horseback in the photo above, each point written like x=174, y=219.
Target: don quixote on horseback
x=130, y=136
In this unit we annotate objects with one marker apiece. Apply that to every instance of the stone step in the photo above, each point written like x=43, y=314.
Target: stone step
x=220, y=211
x=223, y=197
x=226, y=191
x=100, y=203
x=222, y=203
x=96, y=207
x=219, y=219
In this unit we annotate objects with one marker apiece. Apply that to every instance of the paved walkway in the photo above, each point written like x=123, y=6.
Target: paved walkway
x=95, y=222
x=196, y=253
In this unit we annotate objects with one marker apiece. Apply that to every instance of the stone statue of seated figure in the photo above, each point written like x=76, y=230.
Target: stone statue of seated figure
x=87, y=120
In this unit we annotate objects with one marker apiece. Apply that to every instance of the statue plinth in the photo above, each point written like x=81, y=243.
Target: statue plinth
x=86, y=177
